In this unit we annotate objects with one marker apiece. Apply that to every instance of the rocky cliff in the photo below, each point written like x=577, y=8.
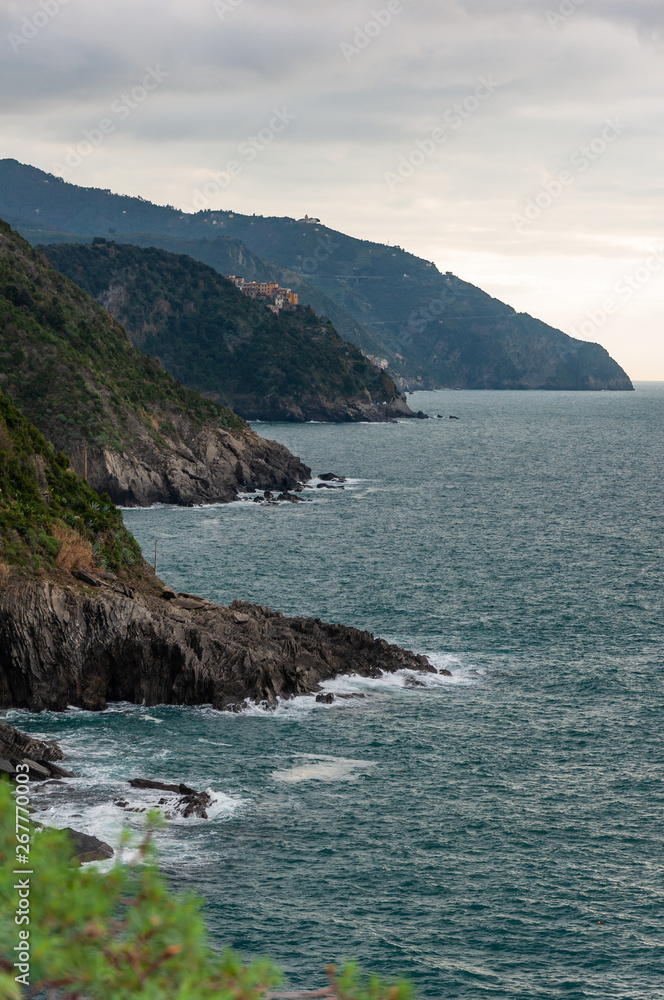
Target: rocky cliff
x=84, y=645
x=140, y=435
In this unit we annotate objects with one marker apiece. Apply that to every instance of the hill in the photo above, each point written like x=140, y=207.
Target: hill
x=229, y=256
x=215, y=339
x=431, y=326
x=143, y=437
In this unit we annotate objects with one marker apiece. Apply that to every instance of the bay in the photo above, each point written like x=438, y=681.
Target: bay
x=494, y=834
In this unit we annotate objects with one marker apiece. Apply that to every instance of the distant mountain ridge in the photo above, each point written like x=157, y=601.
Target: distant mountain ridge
x=435, y=329
x=213, y=338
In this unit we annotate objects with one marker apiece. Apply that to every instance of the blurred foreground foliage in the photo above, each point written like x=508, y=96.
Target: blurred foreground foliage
x=122, y=934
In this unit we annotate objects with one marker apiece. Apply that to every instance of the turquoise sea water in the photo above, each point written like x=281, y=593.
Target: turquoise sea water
x=497, y=834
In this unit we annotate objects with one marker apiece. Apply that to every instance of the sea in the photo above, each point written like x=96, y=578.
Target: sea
x=493, y=835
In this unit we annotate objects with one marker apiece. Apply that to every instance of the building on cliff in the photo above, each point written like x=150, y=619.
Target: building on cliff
x=269, y=292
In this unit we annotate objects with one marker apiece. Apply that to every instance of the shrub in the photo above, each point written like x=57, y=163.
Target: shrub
x=123, y=935
x=75, y=551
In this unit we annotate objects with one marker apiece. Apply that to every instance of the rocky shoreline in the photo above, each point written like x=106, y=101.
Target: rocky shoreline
x=99, y=639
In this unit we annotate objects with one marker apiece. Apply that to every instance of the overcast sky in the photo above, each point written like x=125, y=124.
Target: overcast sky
x=518, y=144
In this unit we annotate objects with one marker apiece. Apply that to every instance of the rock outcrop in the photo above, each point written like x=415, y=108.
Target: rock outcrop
x=196, y=466
x=40, y=756
x=79, y=645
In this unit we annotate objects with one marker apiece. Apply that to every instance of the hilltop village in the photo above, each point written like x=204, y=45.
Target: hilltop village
x=269, y=292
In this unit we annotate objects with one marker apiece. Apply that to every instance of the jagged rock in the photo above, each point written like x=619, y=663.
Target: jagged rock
x=240, y=618
x=325, y=699
x=190, y=802
x=15, y=746
x=85, y=848
x=38, y=772
x=351, y=697
x=168, y=594
x=328, y=486
x=7, y=767
x=63, y=646
x=421, y=415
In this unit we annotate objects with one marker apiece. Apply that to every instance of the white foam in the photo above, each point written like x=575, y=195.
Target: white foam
x=404, y=682
x=324, y=768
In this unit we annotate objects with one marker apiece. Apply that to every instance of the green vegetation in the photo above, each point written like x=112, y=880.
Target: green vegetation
x=425, y=322
x=123, y=935
x=73, y=370
x=49, y=517
x=212, y=337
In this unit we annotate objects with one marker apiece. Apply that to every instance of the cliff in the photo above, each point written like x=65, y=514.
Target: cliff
x=71, y=644
x=213, y=338
x=83, y=619
x=144, y=437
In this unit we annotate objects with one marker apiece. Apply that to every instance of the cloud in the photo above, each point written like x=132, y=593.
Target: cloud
x=356, y=117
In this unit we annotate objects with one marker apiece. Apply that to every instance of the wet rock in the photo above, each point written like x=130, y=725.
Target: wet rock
x=351, y=697
x=414, y=682
x=16, y=746
x=331, y=477
x=38, y=772
x=289, y=498
x=85, y=848
x=421, y=415
x=328, y=486
x=454, y=418
x=189, y=802
x=325, y=699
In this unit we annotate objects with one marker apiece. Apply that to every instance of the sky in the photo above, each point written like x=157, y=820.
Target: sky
x=517, y=144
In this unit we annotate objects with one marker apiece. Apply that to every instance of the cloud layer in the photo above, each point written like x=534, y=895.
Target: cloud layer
x=518, y=190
